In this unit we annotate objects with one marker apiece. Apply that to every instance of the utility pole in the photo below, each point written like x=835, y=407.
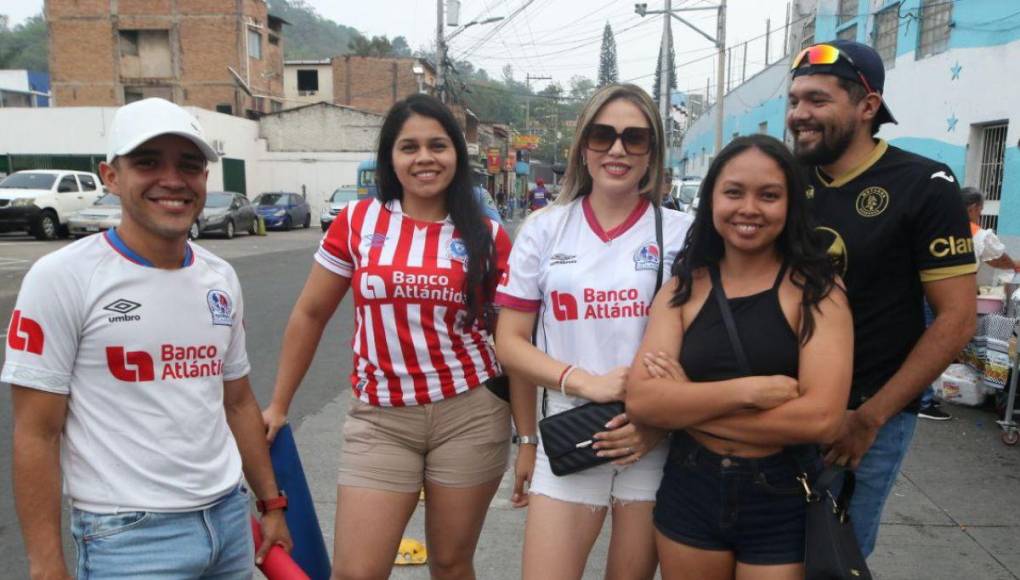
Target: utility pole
x=664, y=75
x=720, y=94
x=528, y=77
x=719, y=40
x=440, y=53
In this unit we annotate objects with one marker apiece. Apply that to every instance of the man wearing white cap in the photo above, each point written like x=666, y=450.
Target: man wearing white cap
x=126, y=356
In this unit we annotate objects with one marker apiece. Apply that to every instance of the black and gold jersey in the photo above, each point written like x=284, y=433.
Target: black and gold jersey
x=897, y=220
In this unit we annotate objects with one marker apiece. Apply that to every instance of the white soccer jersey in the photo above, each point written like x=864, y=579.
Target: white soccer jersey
x=142, y=354
x=407, y=277
x=592, y=288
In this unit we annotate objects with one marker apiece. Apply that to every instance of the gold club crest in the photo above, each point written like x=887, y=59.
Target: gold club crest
x=872, y=202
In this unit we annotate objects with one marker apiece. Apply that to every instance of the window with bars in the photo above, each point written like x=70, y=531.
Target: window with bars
x=847, y=11
x=887, y=25
x=935, y=16
x=808, y=38
x=848, y=33
x=991, y=168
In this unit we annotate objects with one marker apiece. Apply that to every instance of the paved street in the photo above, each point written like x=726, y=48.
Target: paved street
x=954, y=512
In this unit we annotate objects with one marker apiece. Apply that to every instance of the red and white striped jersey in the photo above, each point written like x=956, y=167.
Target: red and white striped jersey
x=407, y=277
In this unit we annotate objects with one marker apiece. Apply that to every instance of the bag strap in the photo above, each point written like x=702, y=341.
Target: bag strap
x=727, y=315
x=658, y=242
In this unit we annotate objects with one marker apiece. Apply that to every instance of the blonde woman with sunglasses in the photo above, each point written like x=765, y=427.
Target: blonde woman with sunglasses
x=582, y=276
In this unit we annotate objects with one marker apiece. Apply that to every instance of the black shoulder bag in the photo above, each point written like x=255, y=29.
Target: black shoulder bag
x=568, y=436
x=831, y=551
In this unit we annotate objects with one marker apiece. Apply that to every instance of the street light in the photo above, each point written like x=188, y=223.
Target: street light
x=472, y=23
x=441, y=45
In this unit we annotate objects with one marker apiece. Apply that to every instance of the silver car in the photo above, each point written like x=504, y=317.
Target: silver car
x=340, y=198
x=100, y=216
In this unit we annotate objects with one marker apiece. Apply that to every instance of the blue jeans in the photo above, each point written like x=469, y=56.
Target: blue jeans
x=876, y=475
x=212, y=543
x=928, y=396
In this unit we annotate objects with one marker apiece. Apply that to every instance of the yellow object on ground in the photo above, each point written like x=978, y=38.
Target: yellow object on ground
x=261, y=230
x=411, y=553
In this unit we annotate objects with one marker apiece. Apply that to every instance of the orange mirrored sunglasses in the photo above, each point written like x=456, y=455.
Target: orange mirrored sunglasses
x=822, y=54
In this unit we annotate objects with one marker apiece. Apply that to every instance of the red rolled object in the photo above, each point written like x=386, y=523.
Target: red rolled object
x=277, y=565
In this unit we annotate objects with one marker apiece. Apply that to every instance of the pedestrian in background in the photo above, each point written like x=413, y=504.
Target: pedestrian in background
x=894, y=218
x=539, y=196
x=423, y=264
x=126, y=356
x=585, y=269
x=730, y=504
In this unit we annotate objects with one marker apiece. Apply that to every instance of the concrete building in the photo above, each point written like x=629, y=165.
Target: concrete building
x=368, y=83
x=947, y=82
x=271, y=154
x=222, y=56
x=24, y=88
x=307, y=81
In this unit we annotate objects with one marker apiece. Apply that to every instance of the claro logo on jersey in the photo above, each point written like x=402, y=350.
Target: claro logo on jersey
x=175, y=362
x=404, y=285
x=25, y=334
x=950, y=246
x=599, y=304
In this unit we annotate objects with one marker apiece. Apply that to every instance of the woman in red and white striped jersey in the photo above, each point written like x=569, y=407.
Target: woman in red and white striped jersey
x=423, y=263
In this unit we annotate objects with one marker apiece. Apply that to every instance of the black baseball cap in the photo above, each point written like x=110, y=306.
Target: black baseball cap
x=856, y=62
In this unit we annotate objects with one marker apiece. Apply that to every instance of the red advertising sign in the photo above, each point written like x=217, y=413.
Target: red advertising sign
x=493, y=160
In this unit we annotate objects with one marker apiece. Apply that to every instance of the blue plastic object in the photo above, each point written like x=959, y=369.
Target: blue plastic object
x=309, y=547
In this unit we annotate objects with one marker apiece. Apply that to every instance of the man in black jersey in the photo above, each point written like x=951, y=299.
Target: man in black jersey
x=898, y=222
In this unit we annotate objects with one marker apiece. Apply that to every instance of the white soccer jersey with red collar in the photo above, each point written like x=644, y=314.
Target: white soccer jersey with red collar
x=592, y=288
x=142, y=354
x=407, y=278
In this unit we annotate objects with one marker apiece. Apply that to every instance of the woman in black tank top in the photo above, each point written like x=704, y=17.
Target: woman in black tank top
x=746, y=398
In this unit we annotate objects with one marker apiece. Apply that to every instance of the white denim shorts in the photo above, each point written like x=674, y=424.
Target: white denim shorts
x=603, y=484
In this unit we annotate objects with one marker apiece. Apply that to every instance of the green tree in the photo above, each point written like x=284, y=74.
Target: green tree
x=26, y=46
x=310, y=36
x=608, y=71
x=671, y=65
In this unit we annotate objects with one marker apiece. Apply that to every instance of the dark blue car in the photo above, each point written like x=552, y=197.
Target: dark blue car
x=282, y=210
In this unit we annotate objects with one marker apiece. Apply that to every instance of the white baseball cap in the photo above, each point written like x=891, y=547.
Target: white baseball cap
x=136, y=123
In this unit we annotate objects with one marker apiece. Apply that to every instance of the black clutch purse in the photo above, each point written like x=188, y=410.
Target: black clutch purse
x=567, y=436
x=831, y=551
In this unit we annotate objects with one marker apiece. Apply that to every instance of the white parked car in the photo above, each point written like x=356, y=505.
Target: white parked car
x=100, y=216
x=41, y=201
x=337, y=202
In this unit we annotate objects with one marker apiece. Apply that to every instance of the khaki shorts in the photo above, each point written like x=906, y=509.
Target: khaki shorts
x=458, y=442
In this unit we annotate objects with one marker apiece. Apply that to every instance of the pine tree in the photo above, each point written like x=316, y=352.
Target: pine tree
x=672, y=72
x=608, y=73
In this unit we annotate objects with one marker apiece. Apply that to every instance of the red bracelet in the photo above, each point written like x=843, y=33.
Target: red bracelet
x=563, y=378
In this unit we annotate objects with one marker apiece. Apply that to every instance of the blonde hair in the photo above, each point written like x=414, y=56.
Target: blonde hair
x=577, y=181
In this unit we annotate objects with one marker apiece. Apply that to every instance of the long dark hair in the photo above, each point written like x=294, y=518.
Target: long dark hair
x=812, y=270
x=463, y=207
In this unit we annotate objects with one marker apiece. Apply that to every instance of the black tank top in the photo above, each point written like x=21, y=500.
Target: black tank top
x=771, y=346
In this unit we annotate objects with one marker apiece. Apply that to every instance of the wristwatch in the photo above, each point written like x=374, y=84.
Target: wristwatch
x=526, y=439
x=276, y=503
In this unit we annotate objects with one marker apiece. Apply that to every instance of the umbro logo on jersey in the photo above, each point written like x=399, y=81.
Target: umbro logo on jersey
x=564, y=306
x=122, y=307
x=376, y=240
x=943, y=175
x=25, y=334
x=560, y=259
x=130, y=367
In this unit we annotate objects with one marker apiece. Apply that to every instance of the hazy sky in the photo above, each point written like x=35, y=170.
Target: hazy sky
x=558, y=38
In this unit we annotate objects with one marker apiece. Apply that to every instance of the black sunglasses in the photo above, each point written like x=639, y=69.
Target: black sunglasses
x=636, y=140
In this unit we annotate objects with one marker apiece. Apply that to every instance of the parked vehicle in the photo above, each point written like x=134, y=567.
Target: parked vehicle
x=340, y=198
x=685, y=192
x=226, y=212
x=41, y=201
x=283, y=210
x=366, y=179
x=102, y=215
